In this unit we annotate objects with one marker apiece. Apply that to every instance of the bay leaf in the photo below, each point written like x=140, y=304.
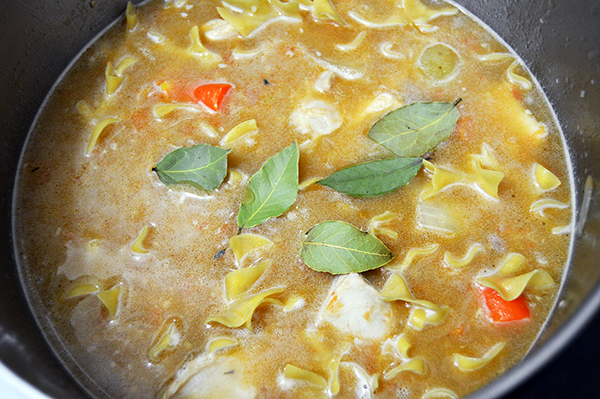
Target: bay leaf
x=415, y=129
x=203, y=166
x=374, y=178
x=338, y=248
x=272, y=190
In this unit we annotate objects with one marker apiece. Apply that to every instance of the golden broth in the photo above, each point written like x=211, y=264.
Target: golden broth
x=79, y=215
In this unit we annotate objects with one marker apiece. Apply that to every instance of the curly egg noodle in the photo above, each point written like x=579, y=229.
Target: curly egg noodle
x=151, y=285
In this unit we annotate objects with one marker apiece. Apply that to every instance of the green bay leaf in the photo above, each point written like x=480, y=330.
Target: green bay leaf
x=375, y=178
x=272, y=190
x=338, y=248
x=415, y=129
x=203, y=166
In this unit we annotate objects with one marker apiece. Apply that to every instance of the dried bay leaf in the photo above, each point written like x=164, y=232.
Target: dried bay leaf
x=272, y=190
x=203, y=166
x=375, y=178
x=415, y=129
x=338, y=248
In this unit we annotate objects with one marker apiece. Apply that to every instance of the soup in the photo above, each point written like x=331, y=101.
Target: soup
x=299, y=199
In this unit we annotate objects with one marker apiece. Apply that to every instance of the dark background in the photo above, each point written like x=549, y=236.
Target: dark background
x=574, y=373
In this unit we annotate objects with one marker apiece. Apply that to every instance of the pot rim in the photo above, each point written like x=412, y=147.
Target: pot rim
x=542, y=355
x=11, y=383
x=14, y=387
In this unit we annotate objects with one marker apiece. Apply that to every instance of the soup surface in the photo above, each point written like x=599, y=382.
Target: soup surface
x=152, y=285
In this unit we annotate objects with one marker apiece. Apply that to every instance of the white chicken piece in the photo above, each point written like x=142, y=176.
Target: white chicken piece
x=353, y=306
x=316, y=118
x=324, y=82
x=221, y=378
x=383, y=102
x=218, y=29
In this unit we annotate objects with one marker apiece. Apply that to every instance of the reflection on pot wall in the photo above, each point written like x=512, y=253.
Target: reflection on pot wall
x=559, y=42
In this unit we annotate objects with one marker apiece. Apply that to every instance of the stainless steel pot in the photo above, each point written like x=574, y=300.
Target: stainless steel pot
x=558, y=39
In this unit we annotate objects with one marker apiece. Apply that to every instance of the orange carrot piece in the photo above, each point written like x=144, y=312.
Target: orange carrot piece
x=212, y=94
x=516, y=92
x=503, y=311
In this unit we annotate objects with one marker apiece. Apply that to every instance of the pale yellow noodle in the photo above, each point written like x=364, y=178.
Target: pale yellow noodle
x=412, y=254
x=239, y=281
x=416, y=365
x=465, y=363
x=240, y=311
x=131, y=16
x=353, y=45
x=97, y=131
x=296, y=373
x=243, y=129
x=243, y=244
x=458, y=262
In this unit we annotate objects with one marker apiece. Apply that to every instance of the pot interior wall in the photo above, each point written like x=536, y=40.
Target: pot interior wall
x=558, y=41
x=40, y=38
x=560, y=45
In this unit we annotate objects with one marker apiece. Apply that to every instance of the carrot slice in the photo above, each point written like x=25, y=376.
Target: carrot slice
x=501, y=310
x=212, y=94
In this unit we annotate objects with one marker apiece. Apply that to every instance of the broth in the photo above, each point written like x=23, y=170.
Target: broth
x=124, y=272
